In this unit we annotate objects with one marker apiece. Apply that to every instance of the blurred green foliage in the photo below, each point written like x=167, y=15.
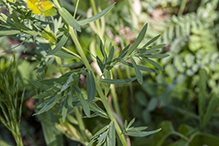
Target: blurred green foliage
x=182, y=100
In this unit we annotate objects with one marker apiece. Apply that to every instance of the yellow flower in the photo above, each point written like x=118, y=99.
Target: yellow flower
x=42, y=7
x=12, y=1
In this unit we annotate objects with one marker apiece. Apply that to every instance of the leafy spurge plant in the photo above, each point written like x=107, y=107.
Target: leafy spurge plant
x=62, y=95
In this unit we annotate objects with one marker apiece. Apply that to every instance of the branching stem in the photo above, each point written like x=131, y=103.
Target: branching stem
x=99, y=90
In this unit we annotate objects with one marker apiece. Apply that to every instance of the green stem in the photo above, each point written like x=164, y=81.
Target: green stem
x=69, y=51
x=99, y=89
x=15, y=130
x=182, y=7
x=79, y=119
x=76, y=7
x=124, y=96
x=181, y=136
x=97, y=22
x=80, y=123
x=115, y=101
x=130, y=86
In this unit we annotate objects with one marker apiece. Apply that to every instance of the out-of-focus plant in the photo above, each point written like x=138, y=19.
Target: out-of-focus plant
x=10, y=101
x=194, y=124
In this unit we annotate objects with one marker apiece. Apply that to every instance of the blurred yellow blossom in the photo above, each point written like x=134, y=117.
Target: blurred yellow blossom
x=42, y=7
x=12, y=1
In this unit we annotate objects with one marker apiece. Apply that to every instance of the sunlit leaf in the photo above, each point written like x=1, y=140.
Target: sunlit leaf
x=69, y=19
x=97, y=16
x=138, y=39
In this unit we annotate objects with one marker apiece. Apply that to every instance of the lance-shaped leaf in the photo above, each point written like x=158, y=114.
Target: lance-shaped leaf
x=69, y=19
x=48, y=105
x=158, y=66
x=202, y=92
x=156, y=55
x=151, y=41
x=111, y=139
x=111, y=54
x=138, y=39
x=97, y=16
x=141, y=133
x=91, y=87
x=118, y=81
x=212, y=106
x=143, y=68
x=137, y=71
x=103, y=52
x=9, y=32
x=124, y=51
x=85, y=105
x=59, y=45
x=37, y=84
x=100, y=64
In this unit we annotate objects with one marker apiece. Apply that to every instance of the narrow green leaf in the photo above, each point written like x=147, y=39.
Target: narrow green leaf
x=97, y=16
x=103, y=52
x=158, y=66
x=48, y=36
x=66, y=55
x=64, y=110
x=84, y=105
x=143, y=68
x=112, y=137
x=91, y=142
x=100, y=64
x=91, y=87
x=14, y=16
x=142, y=133
x=95, y=108
x=202, y=93
x=125, y=124
x=130, y=123
x=156, y=55
x=41, y=95
x=118, y=81
x=100, y=131
x=37, y=84
x=111, y=54
x=212, y=106
x=124, y=51
x=52, y=137
x=107, y=75
x=59, y=45
x=9, y=32
x=48, y=105
x=157, y=46
x=137, y=71
x=138, y=39
x=150, y=51
x=20, y=108
x=138, y=129
x=69, y=19
x=151, y=41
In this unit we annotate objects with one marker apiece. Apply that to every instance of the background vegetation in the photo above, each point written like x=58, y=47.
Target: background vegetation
x=182, y=98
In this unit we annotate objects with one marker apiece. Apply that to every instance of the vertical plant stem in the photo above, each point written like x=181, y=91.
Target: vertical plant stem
x=124, y=97
x=115, y=98
x=76, y=7
x=97, y=22
x=182, y=7
x=115, y=101
x=98, y=88
x=80, y=123
x=130, y=87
